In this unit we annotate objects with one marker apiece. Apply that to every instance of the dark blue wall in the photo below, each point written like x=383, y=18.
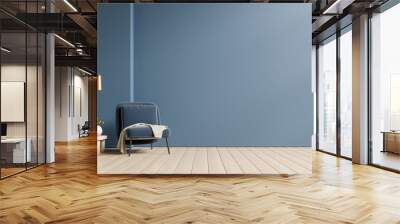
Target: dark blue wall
x=115, y=61
x=226, y=74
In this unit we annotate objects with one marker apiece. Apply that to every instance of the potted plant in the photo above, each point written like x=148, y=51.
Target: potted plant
x=99, y=128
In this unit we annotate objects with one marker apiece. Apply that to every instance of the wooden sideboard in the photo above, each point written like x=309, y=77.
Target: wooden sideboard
x=391, y=141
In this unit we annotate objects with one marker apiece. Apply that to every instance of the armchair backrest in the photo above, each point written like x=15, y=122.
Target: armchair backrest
x=132, y=113
x=86, y=125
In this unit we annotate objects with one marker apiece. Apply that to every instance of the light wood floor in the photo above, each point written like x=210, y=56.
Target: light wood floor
x=70, y=191
x=10, y=171
x=209, y=160
x=387, y=159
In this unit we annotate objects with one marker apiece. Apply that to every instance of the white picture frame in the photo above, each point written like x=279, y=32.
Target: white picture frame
x=12, y=101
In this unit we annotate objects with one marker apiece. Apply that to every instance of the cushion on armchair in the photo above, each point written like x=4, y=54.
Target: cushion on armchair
x=141, y=131
x=144, y=131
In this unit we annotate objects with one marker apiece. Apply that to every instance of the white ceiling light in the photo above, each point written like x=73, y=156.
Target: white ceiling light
x=65, y=41
x=5, y=50
x=79, y=51
x=84, y=71
x=338, y=6
x=70, y=5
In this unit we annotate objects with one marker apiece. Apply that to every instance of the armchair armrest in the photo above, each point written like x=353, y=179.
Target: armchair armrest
x=166, y=133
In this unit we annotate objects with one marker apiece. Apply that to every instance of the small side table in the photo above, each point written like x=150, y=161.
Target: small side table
x=101, y=143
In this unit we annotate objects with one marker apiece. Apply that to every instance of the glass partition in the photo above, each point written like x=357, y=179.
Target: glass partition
x=31, y=100
x=41, y=97
x=22, y=77
x=13, y=94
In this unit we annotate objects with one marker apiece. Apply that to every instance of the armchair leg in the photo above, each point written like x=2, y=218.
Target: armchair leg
x=166, y=140
x=151, y=146
x=130, y=148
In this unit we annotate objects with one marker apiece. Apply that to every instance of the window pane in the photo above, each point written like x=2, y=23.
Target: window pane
x=327, y=96
x=385, y=93
x=346, y=93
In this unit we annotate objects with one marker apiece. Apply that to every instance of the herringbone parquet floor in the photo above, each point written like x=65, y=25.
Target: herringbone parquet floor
x=69, y=191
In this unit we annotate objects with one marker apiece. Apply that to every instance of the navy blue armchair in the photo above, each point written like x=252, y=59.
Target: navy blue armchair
x=132, y=113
